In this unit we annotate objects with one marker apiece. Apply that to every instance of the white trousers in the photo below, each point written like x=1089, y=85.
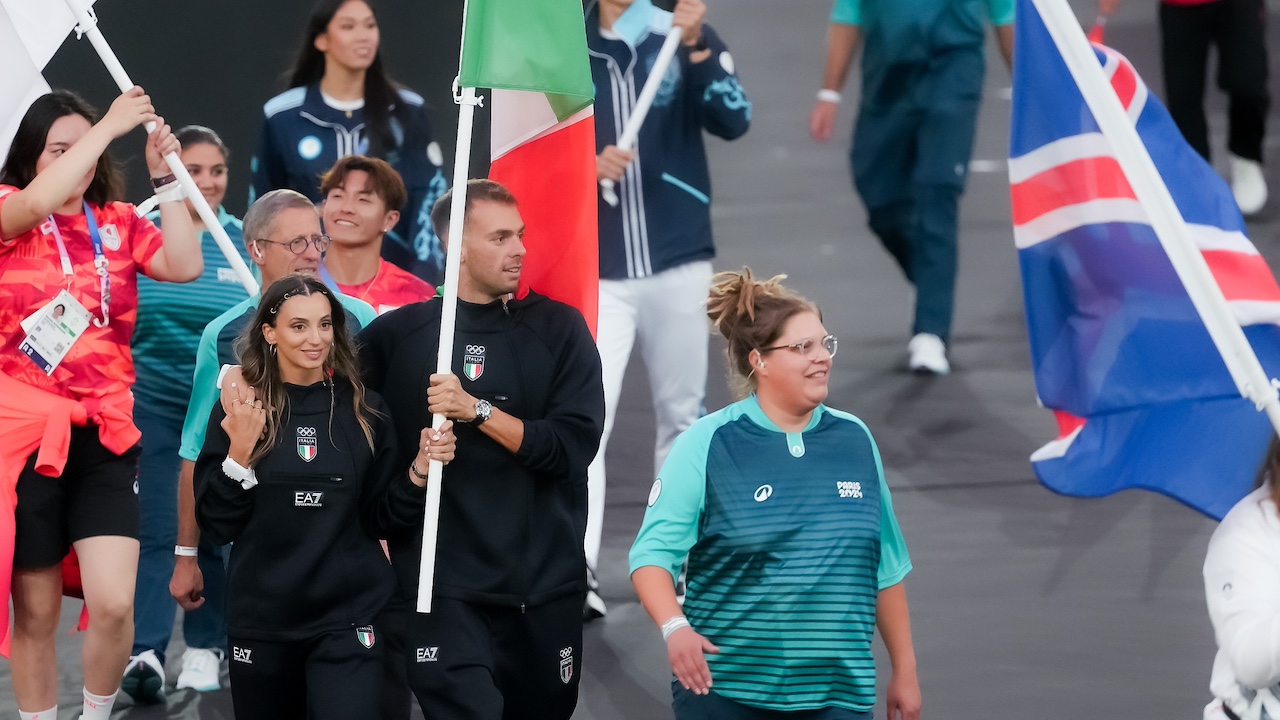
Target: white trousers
x=666, y=315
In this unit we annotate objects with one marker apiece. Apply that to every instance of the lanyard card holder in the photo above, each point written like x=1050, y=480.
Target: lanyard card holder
x=53, y=329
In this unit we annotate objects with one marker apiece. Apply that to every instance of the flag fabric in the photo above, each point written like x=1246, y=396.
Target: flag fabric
x=1142, y=397
x=542, y=147
x=31, y=31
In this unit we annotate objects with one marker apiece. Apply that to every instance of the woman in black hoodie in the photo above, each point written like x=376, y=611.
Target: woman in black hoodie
x=303, y=478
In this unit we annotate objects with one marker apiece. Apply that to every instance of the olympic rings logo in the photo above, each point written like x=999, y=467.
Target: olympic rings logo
x=306, y=432
x=475, y=349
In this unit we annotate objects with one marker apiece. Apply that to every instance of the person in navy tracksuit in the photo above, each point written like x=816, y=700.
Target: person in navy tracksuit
x=340, y=102
x=656, y=246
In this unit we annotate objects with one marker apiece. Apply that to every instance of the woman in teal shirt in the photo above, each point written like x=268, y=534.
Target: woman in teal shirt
x=170, y=320
x=794, y=554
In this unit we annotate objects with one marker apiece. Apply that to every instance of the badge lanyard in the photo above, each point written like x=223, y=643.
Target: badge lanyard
x=100, y=263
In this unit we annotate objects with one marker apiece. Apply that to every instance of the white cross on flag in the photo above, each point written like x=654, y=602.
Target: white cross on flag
x=31, y=31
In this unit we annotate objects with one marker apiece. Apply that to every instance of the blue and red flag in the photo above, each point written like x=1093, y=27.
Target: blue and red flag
x=1142, y=397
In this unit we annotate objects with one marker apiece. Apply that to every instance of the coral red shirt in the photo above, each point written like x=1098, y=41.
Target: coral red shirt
x=100, y=362
x=390, y=288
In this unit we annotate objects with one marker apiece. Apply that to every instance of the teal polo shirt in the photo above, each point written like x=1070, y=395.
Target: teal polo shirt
x=171, y=317
x=790, y=537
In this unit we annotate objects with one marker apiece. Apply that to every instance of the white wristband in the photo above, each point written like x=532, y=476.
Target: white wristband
x=671, y=626
x=831, y=96
x=185, y=551
x=172, y=192
x=243, y=475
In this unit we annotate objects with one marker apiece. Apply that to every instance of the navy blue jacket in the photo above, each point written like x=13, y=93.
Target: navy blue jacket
x=663, y=219
x=302, y=137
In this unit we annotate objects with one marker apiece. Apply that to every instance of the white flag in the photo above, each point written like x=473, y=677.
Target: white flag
x=31, y=31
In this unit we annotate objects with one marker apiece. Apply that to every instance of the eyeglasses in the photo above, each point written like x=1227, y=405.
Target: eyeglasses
x=299, y=244
x=805, y=347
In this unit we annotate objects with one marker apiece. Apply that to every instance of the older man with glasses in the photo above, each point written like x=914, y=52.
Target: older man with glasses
x=283, y=236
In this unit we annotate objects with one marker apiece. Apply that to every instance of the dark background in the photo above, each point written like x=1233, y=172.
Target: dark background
x=216, y=63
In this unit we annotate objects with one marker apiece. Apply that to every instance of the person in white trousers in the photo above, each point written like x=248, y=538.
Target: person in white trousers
x=655, y=245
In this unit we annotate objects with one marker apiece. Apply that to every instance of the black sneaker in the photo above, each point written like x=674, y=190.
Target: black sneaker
x=144, y=678
x=593, y=608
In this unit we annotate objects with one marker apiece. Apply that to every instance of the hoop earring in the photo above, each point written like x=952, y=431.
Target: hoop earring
x=273, y=349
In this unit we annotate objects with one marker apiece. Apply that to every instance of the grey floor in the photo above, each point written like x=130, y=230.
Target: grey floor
x=1025, y=604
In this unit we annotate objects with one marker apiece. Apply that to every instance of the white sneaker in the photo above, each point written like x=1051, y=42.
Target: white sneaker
x=928, y=354
x=1248, y=185
x=144, y=678
x=200, y=668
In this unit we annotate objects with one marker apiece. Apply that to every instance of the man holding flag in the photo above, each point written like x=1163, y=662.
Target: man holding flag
x=504, y=635
x=655, y=244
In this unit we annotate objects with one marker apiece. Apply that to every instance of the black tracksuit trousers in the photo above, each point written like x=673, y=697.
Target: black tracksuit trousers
x=481, y=662
x=331, y=676
x=1238, y=29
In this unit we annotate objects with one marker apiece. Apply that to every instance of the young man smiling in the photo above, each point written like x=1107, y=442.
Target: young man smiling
x=362, y=201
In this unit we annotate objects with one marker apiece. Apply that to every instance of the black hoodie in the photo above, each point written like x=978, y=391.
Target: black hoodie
x=511, y=525
x=306, y=557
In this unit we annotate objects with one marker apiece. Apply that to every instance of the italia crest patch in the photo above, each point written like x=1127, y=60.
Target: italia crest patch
x=365, y=635
x=307, y=443
x=473, y=362
x=566, y=665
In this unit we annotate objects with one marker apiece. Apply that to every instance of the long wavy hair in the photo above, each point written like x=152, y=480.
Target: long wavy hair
x=19, y=167
x=262, y=370
x=381, y=99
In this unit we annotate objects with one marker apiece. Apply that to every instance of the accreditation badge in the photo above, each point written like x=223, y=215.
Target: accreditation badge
x=52, y=330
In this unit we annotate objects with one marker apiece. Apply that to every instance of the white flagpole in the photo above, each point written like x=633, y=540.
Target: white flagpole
x=467, y=101
x=632, y=129
x=1170, y=227
x=87, y=25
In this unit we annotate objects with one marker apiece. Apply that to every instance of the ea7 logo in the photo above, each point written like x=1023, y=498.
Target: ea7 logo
x=312, y=498
x=242, y=655
x=428, y=654
x=849, y=489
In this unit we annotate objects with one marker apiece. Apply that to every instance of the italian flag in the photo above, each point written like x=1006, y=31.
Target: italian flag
x=533, y=55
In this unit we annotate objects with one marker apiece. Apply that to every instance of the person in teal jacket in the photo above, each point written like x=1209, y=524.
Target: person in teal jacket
x=170, y=320
x=922, y=71
x=794, y=554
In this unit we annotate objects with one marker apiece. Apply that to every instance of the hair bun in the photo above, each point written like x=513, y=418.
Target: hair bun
x=734, y=295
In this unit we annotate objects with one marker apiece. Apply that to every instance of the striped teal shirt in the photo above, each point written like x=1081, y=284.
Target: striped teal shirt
x=790, y=537
x=171, y=317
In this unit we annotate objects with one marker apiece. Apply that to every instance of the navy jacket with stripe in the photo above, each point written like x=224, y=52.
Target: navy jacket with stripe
x=663, y=219
x=302, y=137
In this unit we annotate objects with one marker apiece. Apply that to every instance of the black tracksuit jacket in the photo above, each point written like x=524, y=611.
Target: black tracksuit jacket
x=306, y=558
x=511, y=526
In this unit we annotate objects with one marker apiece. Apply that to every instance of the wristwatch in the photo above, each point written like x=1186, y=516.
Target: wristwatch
x=483, y=410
